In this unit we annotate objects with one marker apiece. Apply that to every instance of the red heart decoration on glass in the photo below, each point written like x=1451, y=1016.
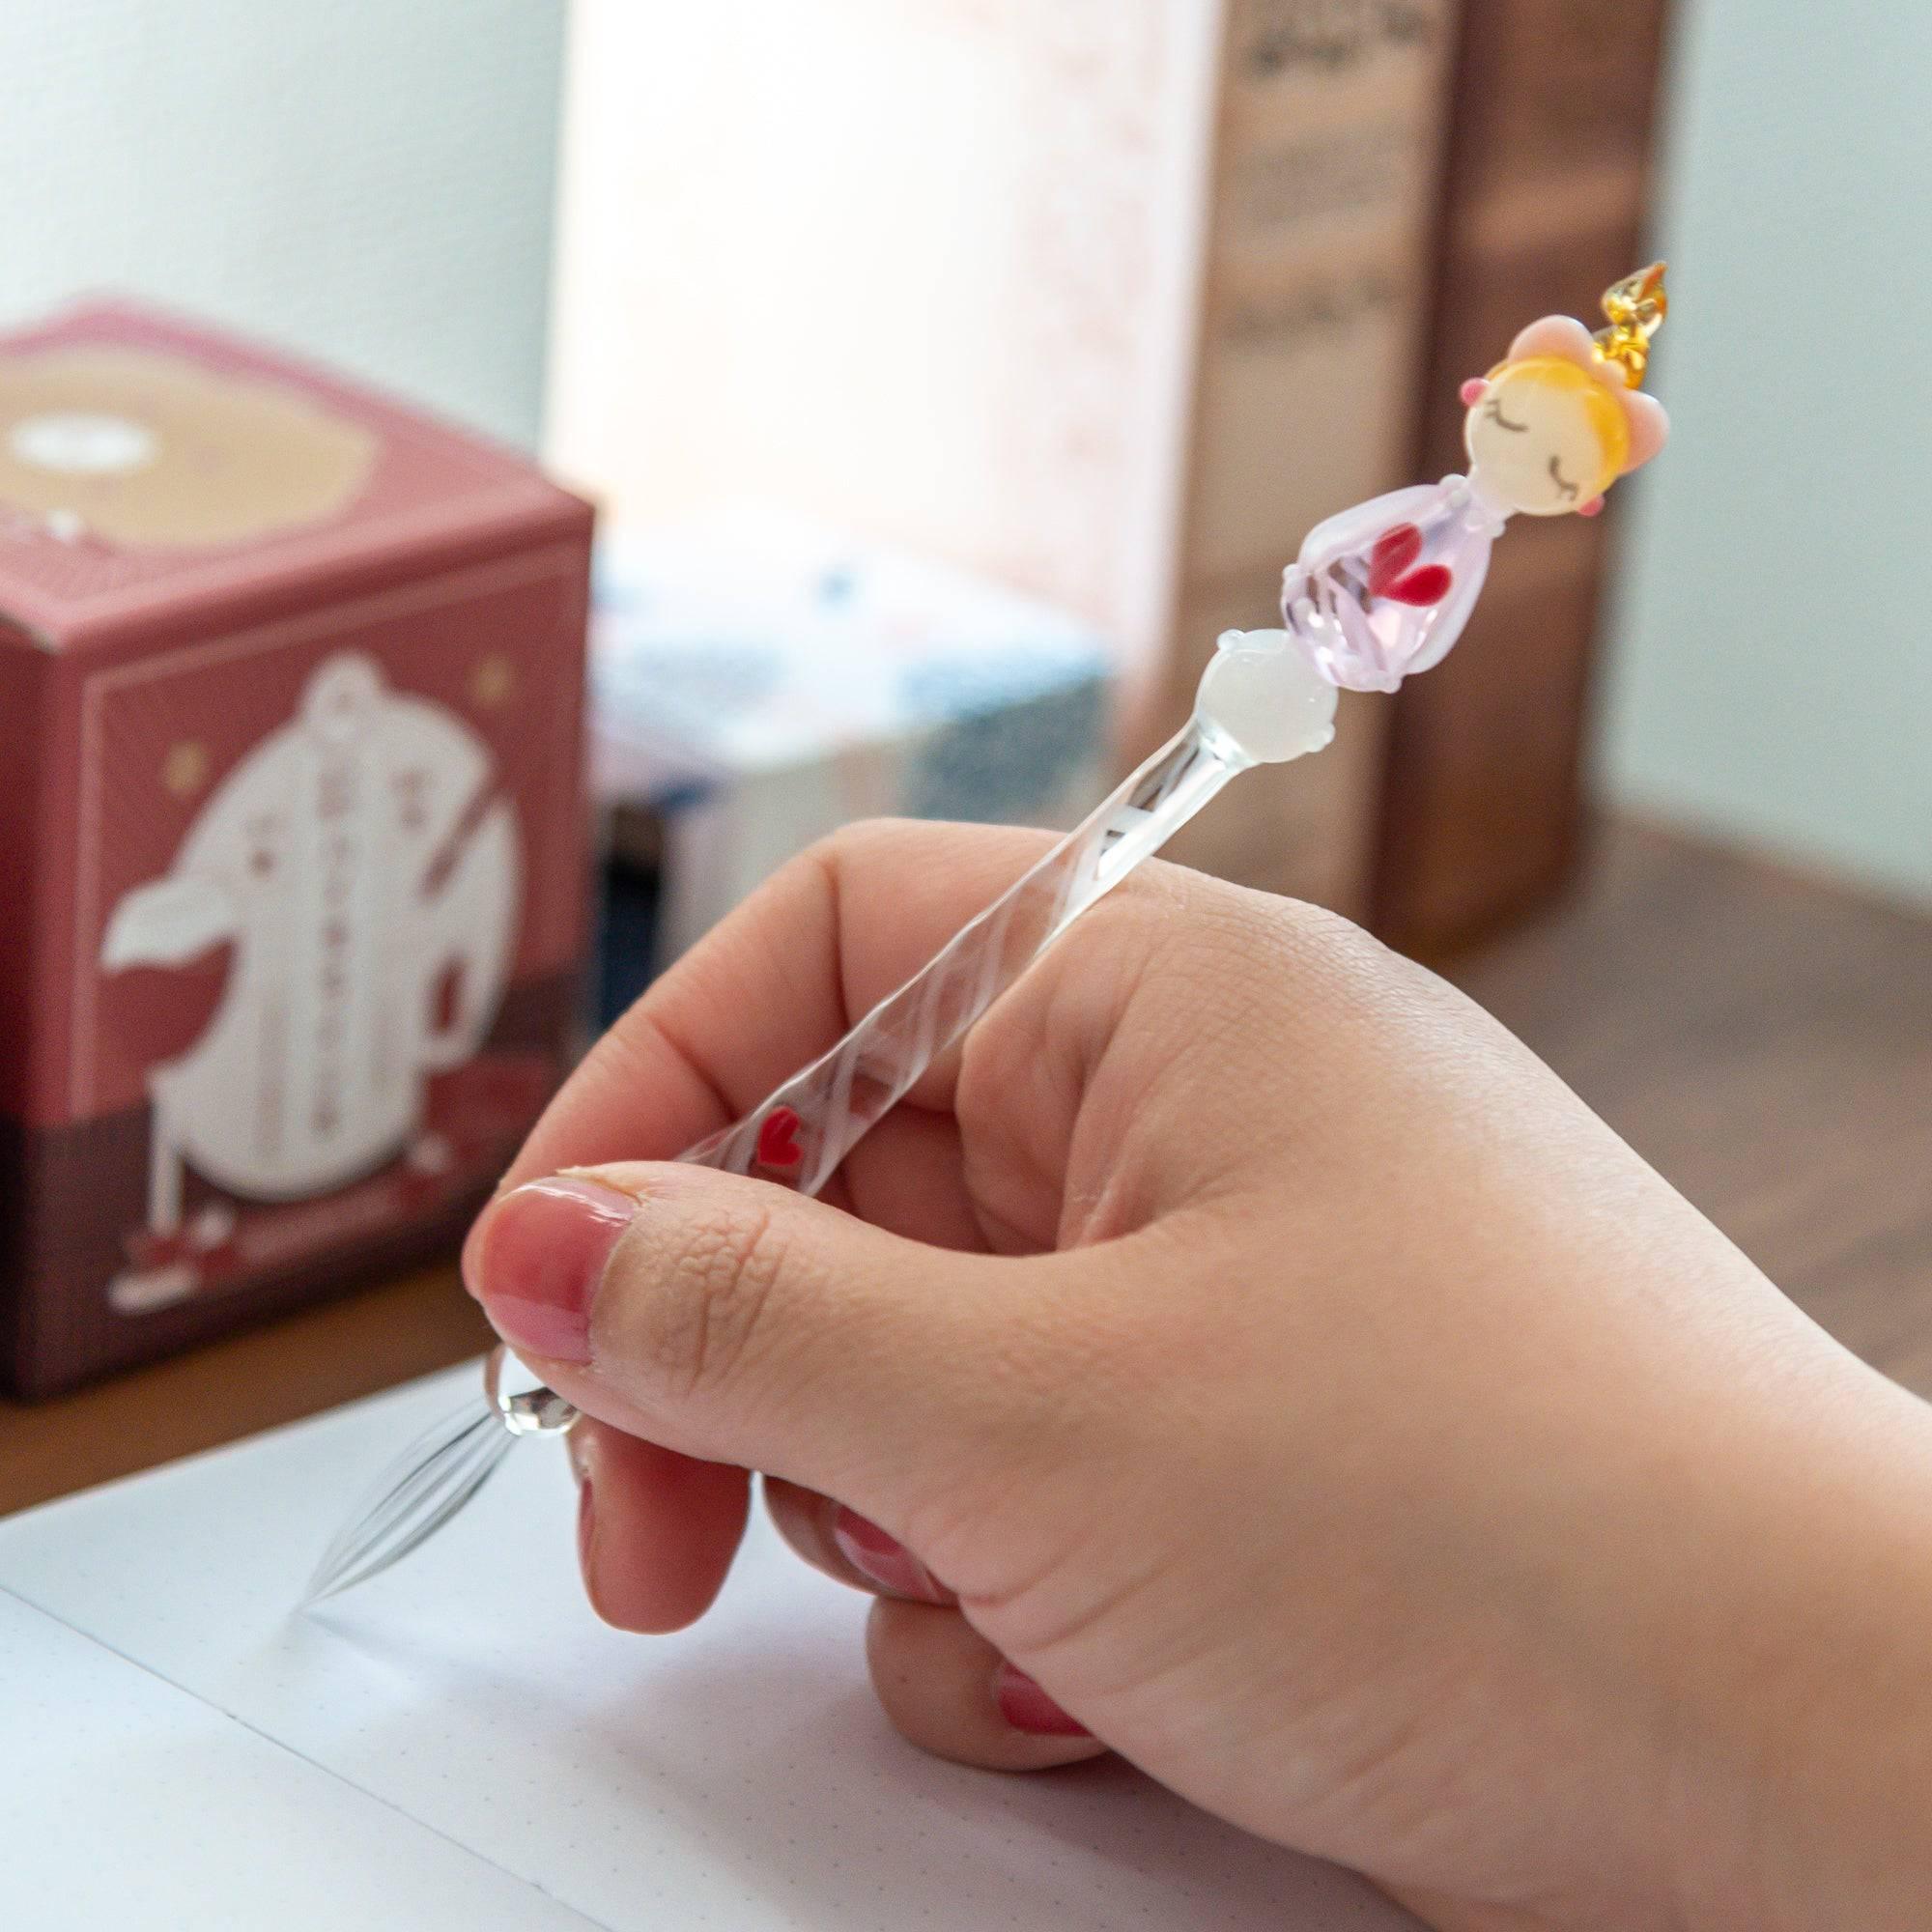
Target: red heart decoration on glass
x=1422, y=587
x=778, y=1139
x=1394, y=552
x=1390, y=574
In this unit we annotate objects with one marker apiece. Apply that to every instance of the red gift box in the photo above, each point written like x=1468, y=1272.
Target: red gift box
x=291, y=841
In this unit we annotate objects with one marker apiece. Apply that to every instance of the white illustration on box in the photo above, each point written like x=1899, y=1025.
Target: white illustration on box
x=367, y=879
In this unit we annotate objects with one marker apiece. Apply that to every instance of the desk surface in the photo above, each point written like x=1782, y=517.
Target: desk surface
x=1763, y=1040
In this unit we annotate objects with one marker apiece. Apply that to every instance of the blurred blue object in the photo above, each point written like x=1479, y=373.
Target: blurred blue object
x=757, y=683
x=626, y=939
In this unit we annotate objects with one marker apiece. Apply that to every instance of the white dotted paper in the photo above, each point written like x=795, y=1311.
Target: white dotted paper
x=126, y=1804
x=738, y=1775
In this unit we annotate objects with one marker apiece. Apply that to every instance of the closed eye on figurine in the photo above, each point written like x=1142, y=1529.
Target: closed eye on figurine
x=1495, y=412
x=1562, y=482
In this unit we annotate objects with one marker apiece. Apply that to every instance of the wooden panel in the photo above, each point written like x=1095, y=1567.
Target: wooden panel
x=1316, y=287
x=248, y=1382
x=1765, y=1041
x=1545, y=192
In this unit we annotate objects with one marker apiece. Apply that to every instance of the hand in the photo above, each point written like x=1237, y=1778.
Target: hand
x=1246, y=1355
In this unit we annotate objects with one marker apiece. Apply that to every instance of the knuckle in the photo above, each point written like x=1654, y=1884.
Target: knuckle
x=1250, y=941
x=856, y=835
x=831, y=859
x=707, y=1314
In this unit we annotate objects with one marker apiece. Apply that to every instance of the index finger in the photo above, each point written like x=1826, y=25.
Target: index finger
x=774, y=984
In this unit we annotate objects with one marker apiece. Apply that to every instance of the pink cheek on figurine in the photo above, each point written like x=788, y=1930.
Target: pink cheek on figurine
x=1473, y=392
x=1593, y=508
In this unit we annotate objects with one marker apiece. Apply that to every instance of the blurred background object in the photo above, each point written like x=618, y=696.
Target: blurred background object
x=291, y=837
x=1114, y=302
x=1064, y=293
x=1543, y=201
x=757, y=683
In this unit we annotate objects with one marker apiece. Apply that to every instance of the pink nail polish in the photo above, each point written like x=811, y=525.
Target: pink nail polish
x=536, y=1257
x=1026, y=1706
x=883, y=1559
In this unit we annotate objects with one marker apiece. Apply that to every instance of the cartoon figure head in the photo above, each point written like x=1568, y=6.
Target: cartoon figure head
x=1556, y=423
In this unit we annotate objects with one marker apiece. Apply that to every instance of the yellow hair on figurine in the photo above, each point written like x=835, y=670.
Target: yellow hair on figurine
x=1548, y=436
x=1556, y=423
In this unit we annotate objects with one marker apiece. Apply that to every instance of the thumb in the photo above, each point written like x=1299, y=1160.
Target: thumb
x=738, y=1322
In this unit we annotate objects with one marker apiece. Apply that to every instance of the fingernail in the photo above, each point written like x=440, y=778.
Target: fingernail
x=537, y=1255
x=465, y=1262
x=1026, y=1706
x=883, y=1559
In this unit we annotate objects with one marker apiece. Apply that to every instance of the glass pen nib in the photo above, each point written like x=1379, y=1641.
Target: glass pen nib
x=412, y=1500
x=432, y=1479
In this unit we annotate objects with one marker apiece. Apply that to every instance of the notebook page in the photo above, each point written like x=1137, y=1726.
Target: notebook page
x=127, y=1805
x=738, y=1775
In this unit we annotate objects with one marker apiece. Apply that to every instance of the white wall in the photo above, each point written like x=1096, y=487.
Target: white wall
x=1774, y=678
x=369, y=181
x=924, y=269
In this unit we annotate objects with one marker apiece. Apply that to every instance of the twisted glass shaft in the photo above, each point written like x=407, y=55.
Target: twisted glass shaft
x=841, y=1095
